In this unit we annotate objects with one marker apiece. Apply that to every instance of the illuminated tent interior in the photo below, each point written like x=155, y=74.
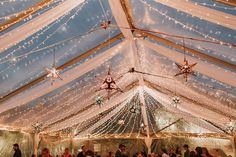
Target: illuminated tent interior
x=83, y=39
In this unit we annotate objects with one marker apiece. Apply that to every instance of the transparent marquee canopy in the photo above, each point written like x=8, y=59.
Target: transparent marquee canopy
x=141, y=34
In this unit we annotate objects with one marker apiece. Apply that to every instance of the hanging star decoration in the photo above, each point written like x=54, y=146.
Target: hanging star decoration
x=53, y=72
x=133, y=110
x=186, y=69
x=105, y=24
x=37, y=127
x=99, y=100
x=230, y=127
x=143, y=127
x=175, y=100
x=109, y=84
x=121, y=122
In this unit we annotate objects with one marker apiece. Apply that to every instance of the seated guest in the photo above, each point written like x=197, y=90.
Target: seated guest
x=66, y=153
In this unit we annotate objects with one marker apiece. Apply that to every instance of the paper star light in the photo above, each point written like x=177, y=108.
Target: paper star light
x=105, y=24
x=121, y=122
x=99, y=100
x=53, y=74
x=186, y=69
x=231, y=126
x=175, y=101
x=109, y=84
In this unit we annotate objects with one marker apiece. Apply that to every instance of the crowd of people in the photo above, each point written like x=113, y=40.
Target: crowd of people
x=121, y=152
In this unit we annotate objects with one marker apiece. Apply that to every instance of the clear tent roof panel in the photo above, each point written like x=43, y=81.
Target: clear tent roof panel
x=69, y=37
x=153, y=62
x=9, y=7
x=29, y=18
x=216, y=6
x=154, y=16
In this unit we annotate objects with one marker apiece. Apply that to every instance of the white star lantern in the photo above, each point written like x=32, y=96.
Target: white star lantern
x=53, y=73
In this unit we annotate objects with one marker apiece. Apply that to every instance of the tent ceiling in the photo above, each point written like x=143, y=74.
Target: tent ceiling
x=74, y=31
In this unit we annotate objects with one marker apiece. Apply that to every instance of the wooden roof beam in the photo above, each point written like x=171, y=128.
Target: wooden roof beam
x=227, y=2
x=24, y=14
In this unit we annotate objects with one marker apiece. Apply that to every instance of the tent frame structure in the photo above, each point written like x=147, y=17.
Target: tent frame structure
x=132, y=34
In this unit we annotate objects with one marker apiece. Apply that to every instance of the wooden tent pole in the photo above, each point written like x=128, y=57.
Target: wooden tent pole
x=233, y=141
x=148, y=142
x=36, y=143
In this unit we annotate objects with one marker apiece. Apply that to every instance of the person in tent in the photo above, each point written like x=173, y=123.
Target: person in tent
x=178, y=151
x=46, y=153
x=84, y=150
x=164, y=153
x=140, y=154
x=66, y=153
x=192, y=154
x=172, y=153
x=109, y=154
x=198, y=152
x=89, y=153
x=187, y=151
x=17, y=150
x=121, y=151
x=205, y=152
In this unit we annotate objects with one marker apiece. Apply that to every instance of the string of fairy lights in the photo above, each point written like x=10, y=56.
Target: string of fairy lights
x=62, y=97
x=77, y=99
x=36, y=48
x=202, y=84
x=85, y=127
x=177, y=22
x=74, y=119
x=13, y=1
x=31, y=41
x=215, y=5
x=70, y=50
x=109, y=125
x=126, y=118
x=177, y=113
